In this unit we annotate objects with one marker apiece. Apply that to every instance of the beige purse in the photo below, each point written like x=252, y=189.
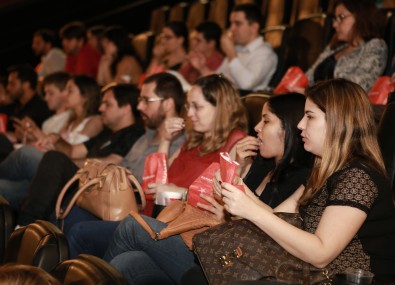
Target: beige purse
x=105, y=190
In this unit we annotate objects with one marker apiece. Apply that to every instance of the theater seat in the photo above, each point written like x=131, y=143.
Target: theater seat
x=254, y=103
x=40, y=244
x=386, y=137
x=7, y=224
x=87, y=270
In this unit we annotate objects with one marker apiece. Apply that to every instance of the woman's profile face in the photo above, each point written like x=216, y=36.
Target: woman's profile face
x=170, y=41
x=343, y=23
x=271, y=135
x=74, y=97
x=200, y=112
x=313, y=127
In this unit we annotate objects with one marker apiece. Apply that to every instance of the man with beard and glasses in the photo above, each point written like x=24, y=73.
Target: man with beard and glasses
x=161, y=97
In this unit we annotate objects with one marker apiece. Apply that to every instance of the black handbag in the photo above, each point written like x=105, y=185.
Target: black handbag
x=239, y=250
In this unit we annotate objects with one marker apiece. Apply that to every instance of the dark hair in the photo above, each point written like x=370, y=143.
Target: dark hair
x=90, y=90
x=369, y=23
x=168, y=86
x=97, y=31
x=120, y=37
x=211, y=31
x=125, y=94
x=59, y=79
x=289, y=108
x=252, y=13
x=48, y=36
x=25, y=73
x=180, y=30
x=73, y=30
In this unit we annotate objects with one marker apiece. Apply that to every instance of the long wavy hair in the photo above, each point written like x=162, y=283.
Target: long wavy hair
x=350, y=131
x=230, y=113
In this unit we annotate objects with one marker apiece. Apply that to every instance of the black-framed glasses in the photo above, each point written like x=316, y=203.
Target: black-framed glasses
x=340, y=18
x=147, y=100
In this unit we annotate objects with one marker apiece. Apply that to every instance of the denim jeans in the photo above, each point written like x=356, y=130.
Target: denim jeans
x=91, y=237
x=143, y=260
x=17, y=172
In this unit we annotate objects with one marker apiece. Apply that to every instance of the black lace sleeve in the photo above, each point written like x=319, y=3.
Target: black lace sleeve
x=353, y=187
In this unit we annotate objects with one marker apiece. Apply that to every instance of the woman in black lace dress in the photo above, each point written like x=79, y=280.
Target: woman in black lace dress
x=347, y=206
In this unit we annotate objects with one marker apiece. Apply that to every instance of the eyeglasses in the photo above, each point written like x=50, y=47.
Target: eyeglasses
x=147, y=100
x=340, y=18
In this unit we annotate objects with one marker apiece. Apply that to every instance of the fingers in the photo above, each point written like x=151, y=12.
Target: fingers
x=246, y=148
x=174, y=125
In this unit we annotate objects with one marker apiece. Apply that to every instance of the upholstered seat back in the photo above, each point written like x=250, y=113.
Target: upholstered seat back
x=40, y=244
x=87, y=270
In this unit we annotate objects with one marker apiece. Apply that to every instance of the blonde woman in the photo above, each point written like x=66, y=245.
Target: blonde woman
x=218, y=120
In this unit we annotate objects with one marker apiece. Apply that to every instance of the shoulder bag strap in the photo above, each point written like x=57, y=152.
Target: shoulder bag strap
x=61, y=214
x=140, y=190
x=144, y=224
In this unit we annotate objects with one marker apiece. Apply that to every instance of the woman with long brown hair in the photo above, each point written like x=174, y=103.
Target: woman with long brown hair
x=347, y=207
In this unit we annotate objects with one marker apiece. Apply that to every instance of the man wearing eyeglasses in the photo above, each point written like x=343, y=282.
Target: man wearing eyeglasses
x=161, y=98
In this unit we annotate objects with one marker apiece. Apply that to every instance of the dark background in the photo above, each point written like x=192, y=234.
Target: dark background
x=21, y=18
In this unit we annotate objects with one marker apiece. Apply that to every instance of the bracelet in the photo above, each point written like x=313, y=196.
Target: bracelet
x=185, y=195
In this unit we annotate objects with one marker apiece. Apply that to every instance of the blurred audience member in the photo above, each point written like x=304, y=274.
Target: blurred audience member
x=205, y=51
x=53, y=58
x=20, y=274
x=94, y=35
x=250, y=62
x=119, y=63
x=171, y=50
x=356, y=51
x=81, y=58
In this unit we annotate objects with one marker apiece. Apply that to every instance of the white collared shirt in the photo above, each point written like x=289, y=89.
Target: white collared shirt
x=253, y=67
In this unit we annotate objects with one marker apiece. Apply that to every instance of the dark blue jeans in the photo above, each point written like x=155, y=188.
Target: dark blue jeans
x=85, y=232
x=143, y=260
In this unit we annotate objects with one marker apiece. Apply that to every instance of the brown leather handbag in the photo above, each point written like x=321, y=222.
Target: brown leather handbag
x=105, y=190
x=239, y=250
x=182, y=219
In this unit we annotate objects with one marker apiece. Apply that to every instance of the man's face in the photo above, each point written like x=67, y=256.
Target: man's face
x=38, y=45
x=110, y=111
x=242, y=32
x=14, y=86
x=71, y=46
x=54, y=97
x=199, y=43
x=151, y=112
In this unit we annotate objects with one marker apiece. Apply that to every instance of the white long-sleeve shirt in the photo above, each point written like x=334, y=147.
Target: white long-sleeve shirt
x=253, y=67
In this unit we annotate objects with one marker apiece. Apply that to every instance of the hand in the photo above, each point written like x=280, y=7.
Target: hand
x=246, y=149
x=158, y=51
x=217, y=185
x=237, y=202
x=197, y=60
x=228, y=46
x=173, y=128
x=217, y=210
x=296, y=89
x=48, y=142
